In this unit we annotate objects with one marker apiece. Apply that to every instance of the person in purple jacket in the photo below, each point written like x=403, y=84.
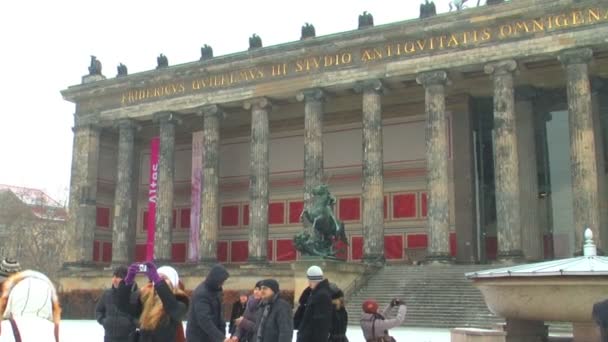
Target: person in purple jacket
x=245, y=325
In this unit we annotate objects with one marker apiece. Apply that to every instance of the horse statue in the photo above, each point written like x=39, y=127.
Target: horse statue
x=458, y=4
x=327, y=229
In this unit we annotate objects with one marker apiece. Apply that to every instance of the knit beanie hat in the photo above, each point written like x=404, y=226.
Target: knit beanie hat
x=370, y=306
x=271, y=284
x=170, y=273
x=314, y=273
x=8, y=267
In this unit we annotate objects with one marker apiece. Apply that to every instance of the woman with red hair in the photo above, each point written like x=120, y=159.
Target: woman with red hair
x=375, y=326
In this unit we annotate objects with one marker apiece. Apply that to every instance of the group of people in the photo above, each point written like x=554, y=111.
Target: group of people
x=156, y=311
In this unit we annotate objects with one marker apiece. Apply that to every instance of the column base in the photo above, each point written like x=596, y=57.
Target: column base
x=374, y=259
x=510, y=257
x=257, y=260
x=439, y=259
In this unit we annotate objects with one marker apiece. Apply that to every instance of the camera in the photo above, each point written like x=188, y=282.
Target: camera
x=397, y=302
x=143, y=268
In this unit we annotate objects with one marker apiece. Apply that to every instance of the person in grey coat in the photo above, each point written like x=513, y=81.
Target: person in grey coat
x=245, y=326
x=375, y=326
x=274, y=322
x=206, y=318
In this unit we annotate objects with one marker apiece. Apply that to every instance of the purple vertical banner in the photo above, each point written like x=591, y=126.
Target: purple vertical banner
x=197, y=181
x=152, y=197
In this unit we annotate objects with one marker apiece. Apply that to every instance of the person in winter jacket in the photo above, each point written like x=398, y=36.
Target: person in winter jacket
x=313, y=318
x=339, y=319
x=274, y=323
x=30, y=309
x=160, y=307
x=246, y=324
x=375, y=326
x=118, y=326
x=206, y=318
x=238, y=308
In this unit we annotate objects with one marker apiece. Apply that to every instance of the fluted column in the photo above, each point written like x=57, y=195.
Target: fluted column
x=438, y=212
x=166, y=165
x=259, y=169
x=210, y=185
x=373, y=166
x=313, y=140
x=123, y=196
x=582, y=145
x=506, y=161
x=83, y=193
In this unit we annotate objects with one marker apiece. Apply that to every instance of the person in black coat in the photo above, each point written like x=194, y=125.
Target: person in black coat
x=118, y=326
x=206, y=318
x=339, y=319
x=274, y=323
x=238, y=308
x=314, y=323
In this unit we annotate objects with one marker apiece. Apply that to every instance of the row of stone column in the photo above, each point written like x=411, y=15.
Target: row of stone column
x=584, y=169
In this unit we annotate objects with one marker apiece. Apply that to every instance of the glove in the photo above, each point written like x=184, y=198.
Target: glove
x=396, y=302
x=152, y=273
x=131, y=272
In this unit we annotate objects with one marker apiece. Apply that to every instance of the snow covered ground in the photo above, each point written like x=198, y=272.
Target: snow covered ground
x=77, y=331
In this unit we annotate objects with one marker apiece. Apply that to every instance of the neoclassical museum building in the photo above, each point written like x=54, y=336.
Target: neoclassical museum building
x=465, y=137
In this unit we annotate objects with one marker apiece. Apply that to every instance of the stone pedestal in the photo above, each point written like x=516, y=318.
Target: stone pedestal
x=582, y=145
x=166, y=170
x=339, y=272
x=434, y=83
x=477, y=335
x=210, y=184
x=508, y=214
x=259, y=173
x=123, y=196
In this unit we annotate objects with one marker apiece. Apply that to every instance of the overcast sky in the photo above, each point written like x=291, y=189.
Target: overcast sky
x=45, y=47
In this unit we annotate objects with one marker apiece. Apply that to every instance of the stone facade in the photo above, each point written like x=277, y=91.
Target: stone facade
x=438, y=174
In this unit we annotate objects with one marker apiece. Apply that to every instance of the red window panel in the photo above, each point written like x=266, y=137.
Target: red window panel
x=106, y=252
x=417, y=241
x=96, y=249
x=103, y=217
x=276, y=213
x=350, y=209
x=145, y=220
x=356, y=247
x=246, y=215
x=286, y=251
x=342, y=249
x=174, y=219
x=385, y=207
x=140, y=253
x=184, y=218
x=270, y=250
x=424, y=204
x=393, y=247
x=491, y=247
x=453, y=244
x=404, y=206
x=239, y=251
x=178, y=252
x=295, y=210
x=222, y=251
x=230, y=215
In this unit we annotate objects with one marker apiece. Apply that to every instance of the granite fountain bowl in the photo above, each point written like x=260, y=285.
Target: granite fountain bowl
x=559, y=290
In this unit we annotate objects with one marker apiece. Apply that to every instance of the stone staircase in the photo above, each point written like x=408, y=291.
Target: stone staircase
x=437, y=296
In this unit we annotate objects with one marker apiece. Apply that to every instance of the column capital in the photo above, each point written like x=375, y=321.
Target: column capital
x=314, y=94
x=575, y=56
x=435, y=77
x=504, y=67
x=258, y=103
x=166, y=117
x=211, y=110
x=373, y=84
x=127, y=124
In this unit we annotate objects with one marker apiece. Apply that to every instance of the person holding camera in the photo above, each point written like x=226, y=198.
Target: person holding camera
x=161, y=305
x=376, y=325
